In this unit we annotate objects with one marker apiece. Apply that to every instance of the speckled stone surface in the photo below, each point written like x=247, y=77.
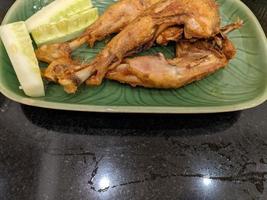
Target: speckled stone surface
x=57, y=155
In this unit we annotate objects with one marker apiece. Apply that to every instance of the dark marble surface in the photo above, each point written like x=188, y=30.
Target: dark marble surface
x=57, y=155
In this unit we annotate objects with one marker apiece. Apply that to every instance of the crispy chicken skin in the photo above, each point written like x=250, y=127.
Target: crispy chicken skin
x=115, y=18
x=52, y=52
x=171, y=34
x=200, y=19
x=194, y=61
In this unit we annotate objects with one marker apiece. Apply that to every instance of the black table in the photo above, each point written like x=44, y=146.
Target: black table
x=57, y=155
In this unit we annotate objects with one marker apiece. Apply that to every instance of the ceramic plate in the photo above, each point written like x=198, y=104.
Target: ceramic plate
x=240, y=86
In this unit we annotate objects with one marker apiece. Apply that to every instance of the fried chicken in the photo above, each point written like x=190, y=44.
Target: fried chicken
x=199, y=18
x=194, y=61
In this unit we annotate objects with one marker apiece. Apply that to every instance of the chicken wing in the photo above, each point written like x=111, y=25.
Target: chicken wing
x=200, y=19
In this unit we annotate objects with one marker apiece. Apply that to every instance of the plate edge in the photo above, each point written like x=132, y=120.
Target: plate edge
x=143, y=109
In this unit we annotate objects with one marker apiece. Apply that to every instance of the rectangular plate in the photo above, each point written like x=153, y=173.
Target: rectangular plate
x=240, y=86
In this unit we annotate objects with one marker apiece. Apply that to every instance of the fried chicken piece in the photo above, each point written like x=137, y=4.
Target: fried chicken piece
x=113, y=20
x=200, y=19
x=194, y=61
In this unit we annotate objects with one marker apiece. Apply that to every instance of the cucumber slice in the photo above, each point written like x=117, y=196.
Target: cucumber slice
x=18, y=44
x=65, y=29
x=56, y=11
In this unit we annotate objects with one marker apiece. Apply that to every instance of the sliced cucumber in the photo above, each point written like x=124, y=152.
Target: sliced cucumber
x=65, y=29
x=56, y=11
x=18, y=44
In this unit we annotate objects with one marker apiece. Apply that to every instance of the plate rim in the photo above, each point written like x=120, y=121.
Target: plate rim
x=144, y=109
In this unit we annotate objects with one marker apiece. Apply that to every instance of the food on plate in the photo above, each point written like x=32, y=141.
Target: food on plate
x=199, y=18
x=61, y=20
x=202, y=46
x=18, y=44
x=55, y=11
x=194, y=60
x=65, y=29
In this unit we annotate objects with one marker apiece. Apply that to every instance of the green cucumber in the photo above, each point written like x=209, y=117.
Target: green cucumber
x=18, y=44
x=65, y=29
x=55, y=11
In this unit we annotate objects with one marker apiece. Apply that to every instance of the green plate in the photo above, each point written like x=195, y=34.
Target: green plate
x=242, y=85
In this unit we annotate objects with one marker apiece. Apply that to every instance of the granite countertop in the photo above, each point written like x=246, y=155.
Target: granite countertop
x=57, y=155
